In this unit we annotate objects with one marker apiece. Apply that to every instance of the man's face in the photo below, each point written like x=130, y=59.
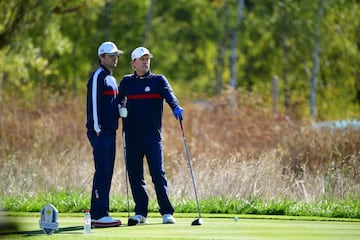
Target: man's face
x=142, y=64
x=109, y=60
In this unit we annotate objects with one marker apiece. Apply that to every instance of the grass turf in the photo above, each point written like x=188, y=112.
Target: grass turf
x=214, y=227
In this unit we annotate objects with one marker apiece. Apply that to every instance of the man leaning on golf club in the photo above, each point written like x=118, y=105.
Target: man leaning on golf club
x=141, y=96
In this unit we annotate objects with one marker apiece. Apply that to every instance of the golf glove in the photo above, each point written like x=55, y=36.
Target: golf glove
x=178, y=113
x=122, y=111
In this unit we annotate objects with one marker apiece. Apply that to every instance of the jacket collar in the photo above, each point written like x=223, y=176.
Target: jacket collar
x=146, y=75
x=106, y=70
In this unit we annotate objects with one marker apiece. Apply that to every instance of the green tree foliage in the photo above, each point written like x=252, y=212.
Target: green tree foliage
x=339, y=73
x=20, y=55
x=53, y=47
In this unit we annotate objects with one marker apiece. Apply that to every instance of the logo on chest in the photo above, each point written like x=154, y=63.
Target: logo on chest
x=147, y=89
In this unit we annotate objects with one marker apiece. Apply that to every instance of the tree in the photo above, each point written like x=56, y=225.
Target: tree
x=148, y=21
x=234, y=43
x=316, y=66
x=222, y=14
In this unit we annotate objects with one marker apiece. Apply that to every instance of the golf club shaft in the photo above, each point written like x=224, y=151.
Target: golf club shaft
x=126, y=174
x=190, y=166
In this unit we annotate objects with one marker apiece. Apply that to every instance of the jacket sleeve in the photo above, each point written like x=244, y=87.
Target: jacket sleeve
x=95, y=98
x=122, y=94
x=167, y=92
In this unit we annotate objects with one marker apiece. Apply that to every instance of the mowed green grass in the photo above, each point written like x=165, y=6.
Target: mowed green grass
x=70, y=227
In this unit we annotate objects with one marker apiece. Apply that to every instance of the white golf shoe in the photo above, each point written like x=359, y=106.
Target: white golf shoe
x=106, y=221
x=168, y=219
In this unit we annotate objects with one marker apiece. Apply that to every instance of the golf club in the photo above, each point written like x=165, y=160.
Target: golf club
x=126, y=176
x=197, y=221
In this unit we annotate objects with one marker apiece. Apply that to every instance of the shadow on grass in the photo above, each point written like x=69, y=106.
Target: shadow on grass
x=141, y=224
x=13, y=229
x=16, y=231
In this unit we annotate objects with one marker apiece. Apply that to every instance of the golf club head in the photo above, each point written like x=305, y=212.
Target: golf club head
x=197, y=222
x=132, y=222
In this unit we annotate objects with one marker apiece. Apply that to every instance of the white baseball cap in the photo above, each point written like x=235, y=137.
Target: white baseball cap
x=139, y=52
x=109, y=47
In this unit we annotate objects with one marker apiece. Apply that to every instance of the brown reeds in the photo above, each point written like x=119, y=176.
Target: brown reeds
x=238, y=149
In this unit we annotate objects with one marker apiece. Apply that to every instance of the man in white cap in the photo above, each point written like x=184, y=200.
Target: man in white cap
x=102, y=123
x=141, y=96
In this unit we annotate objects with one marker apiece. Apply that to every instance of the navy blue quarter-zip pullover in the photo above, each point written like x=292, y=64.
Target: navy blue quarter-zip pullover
x=144, y=97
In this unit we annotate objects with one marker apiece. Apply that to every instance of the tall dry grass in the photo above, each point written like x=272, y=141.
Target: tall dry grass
x=237, y=147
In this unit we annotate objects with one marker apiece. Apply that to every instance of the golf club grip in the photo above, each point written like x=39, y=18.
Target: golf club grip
x=182, y=128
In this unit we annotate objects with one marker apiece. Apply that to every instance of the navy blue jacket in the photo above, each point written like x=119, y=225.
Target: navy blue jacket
x=143, y=97
x=102, y=101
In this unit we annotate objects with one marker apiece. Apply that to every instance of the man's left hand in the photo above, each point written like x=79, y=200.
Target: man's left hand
x=178, y=113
